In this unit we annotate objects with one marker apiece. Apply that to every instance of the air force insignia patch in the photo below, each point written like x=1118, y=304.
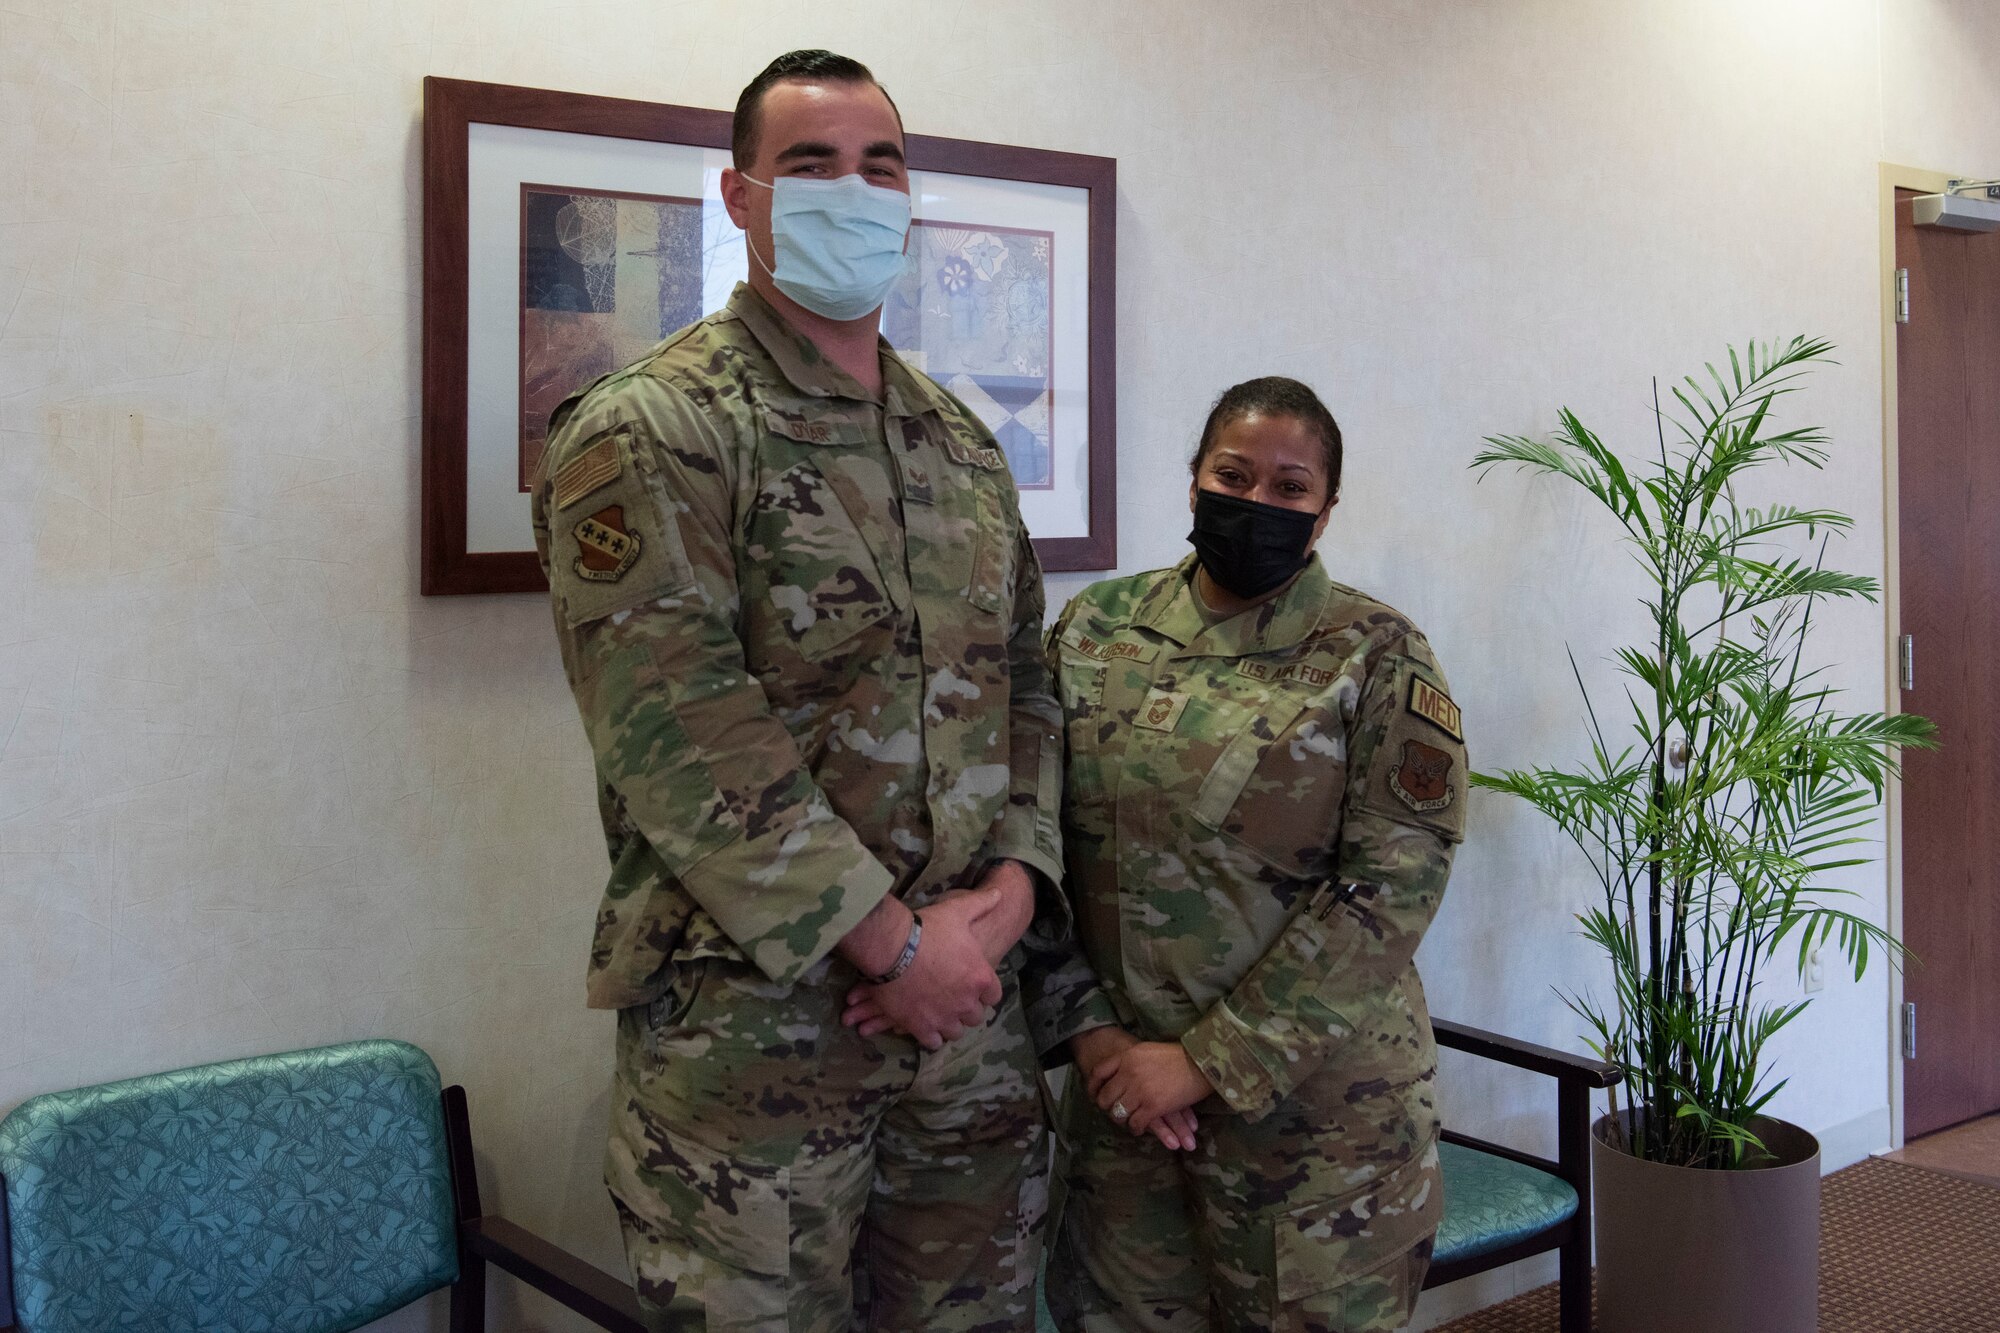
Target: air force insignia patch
x=1420, y=779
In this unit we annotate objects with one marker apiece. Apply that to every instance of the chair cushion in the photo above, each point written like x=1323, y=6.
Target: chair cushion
x=1490, y=1203
x=308, y=1192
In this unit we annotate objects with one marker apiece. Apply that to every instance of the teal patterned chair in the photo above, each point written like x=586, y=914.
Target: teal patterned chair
x=1501, y=1205
x=309, y=1192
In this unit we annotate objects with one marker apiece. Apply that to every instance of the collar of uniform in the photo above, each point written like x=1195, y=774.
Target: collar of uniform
x=908, y=392
x=1283, y=622
x=802, y=364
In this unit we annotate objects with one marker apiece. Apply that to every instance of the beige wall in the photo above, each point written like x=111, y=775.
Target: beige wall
x=257, y=794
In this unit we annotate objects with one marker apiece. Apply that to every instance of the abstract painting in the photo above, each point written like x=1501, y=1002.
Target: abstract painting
x=972, y=312
x=604, y=277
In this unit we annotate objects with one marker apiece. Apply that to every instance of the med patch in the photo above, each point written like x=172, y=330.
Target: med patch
x=1434, y=706
x=1416, y=765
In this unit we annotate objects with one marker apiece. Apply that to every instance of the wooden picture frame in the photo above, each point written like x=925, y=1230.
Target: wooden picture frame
x=1067, y=433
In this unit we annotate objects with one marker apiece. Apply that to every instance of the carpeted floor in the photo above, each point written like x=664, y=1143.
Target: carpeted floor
x=1971, y=1150
x=1902, y=1250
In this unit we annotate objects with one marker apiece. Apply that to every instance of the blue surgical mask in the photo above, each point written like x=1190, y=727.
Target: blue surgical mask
x=839, y=242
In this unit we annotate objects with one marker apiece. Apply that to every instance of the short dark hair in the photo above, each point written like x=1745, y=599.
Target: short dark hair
x=1274, y=396
x=807, y=67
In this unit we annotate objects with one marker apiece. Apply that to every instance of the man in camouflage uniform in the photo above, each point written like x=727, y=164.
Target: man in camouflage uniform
x=803, y=625
x=1259, y=818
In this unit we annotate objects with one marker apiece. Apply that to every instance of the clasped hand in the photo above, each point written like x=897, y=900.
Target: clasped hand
x=1143, y=1085
x=951, y=983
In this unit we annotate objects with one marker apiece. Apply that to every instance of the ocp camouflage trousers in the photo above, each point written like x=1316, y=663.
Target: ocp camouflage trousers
x=1318, y=1218
x=774, y=1171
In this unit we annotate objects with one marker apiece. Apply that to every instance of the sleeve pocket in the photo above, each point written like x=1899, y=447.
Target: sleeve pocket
x=615, y=545
x=1417, y=772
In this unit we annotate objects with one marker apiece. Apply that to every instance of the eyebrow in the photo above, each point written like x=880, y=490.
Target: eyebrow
x=1282, y=467
x=817, y=149
x=807, y=148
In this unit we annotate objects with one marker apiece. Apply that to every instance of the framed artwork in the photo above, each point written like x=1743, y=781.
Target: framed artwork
x=566, y=234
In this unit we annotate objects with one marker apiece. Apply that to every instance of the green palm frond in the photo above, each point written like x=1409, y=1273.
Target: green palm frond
x=1743, y=787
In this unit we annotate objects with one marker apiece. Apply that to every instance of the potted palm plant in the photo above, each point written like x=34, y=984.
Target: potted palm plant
x=1712, y=815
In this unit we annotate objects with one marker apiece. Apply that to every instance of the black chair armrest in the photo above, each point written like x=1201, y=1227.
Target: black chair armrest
x=604, y=1300
x=607, y=1301
x=1559, y=1065
x=1576, y=1077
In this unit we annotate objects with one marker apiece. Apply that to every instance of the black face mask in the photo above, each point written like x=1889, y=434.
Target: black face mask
x=1250, y=548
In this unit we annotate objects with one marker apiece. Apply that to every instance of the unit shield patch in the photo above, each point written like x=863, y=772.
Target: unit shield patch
x=1420, y=778
x=605, y=548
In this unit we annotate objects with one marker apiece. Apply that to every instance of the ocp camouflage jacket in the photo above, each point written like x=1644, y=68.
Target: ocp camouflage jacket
x=803, y=628
x=1259, y=818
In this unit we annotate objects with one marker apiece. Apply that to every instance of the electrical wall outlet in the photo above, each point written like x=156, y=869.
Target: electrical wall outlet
x=1815, y=977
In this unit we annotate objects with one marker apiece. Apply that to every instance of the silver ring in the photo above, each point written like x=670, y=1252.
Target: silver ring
x=1118, y=1111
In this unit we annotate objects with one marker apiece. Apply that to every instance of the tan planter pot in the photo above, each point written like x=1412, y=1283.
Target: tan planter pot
x=1685, y=1250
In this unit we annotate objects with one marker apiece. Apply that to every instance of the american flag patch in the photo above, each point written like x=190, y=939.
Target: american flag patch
x=586, y=472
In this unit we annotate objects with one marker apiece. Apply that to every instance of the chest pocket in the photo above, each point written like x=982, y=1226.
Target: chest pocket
x=990, y=587
x=823, y=585
x=1097, y=739
x=1082, y=689
x=1085, y=662
x=1276, y=787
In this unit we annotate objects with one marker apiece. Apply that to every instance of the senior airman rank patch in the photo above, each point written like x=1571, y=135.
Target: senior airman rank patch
x=1434, y=706
x=1420, y=778
x=605, y=548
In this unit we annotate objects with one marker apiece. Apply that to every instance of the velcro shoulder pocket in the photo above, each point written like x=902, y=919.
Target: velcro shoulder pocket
x=613, y=542
x=1417, y=770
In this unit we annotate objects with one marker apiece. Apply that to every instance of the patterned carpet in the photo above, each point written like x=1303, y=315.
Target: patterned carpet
x=1902, y=1250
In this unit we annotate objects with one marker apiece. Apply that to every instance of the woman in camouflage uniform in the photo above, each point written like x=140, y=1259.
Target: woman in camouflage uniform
x=1265, y=783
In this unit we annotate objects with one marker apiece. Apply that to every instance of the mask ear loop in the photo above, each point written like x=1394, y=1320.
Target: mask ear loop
x=749, y=244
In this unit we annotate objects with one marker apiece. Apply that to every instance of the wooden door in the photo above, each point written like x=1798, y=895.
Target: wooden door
x=1948, y=502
